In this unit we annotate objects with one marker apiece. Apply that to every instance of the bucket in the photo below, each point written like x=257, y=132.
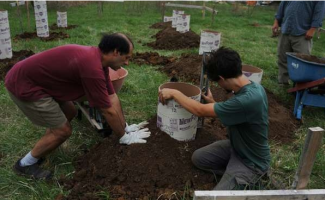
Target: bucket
x=175, y=120
x=253, y=73
x=117, y=77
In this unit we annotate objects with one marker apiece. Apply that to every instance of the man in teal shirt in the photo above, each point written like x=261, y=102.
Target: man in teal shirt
x=245, y=157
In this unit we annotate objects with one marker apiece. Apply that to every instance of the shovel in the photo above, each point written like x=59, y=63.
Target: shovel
x=204, y=83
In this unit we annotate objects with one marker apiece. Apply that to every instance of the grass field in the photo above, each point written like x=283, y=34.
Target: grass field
x=139, y=93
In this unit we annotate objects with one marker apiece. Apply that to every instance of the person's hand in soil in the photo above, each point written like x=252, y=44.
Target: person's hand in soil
x=135, y=127
x=310, y=33
x=208, y=98
x=135, y=137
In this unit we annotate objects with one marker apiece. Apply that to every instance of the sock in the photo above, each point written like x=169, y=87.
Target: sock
x=28, y=160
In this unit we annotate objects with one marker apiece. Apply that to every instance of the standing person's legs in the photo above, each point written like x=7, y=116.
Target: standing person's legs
x=45, y=112
x=54, y=137
x=284, y=45
x=301, y=45
x=214, y=157
x=237, y=175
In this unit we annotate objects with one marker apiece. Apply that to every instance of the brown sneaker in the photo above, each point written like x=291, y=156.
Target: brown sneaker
x=33, y=171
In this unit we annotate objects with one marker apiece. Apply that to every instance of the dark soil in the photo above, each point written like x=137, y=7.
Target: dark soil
x=311, y=58
x=7, y=64
x=31, y=35
x=151, y=58
x=55, y=26
x=187, y=68
x=170, y=39
x=162, y=167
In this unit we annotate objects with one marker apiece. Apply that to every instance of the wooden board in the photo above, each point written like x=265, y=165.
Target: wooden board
x=305, y=85
x=191, y=6
x=86, y=113
x=260, y=195
x=313, y=142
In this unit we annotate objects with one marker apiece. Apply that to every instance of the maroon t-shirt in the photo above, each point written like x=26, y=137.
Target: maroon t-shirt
x=65, y=73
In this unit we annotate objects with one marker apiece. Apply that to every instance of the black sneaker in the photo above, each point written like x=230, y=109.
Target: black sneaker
x=32, y=171
x=41, y=161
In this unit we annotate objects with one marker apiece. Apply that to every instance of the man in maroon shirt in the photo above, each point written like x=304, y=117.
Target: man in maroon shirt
x=43, y=86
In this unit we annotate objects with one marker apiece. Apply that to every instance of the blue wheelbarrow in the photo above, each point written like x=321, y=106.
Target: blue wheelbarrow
x=308, y=74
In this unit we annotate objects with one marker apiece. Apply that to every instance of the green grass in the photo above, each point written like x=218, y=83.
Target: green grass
x=139, y=93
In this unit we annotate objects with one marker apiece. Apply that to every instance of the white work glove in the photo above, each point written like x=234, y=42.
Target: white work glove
x=135, y=137
x=135, y=127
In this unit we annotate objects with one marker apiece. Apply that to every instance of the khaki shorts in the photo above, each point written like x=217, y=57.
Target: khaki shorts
x=45, y=112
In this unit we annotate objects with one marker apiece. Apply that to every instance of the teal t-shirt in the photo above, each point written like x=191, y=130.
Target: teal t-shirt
x=246, y=117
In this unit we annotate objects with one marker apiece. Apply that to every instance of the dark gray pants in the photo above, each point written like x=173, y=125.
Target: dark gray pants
x=221, y=159
x=289, y=43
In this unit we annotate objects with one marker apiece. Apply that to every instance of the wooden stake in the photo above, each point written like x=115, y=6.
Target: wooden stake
x=100, y=8
x=163, y=11
x=213, y=14
x=313, y=142
x=20, y=19
x=28, y=18
x=203, y=10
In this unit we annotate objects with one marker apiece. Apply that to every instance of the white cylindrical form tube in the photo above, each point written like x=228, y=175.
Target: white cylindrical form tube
x=42, y=27
x=5, y=39
x=209, y=41
x=62, y=19
x=175, y=14
x=175, y=120
x=183, y=23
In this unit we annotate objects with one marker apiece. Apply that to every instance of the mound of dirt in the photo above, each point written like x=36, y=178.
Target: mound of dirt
x=160, y=168
x=187, y=68
x=170, y=39
x=7, y=64
x=32, y=35
x=55, y=26
x=311, y=58
x=161, y=25
x=151, y=58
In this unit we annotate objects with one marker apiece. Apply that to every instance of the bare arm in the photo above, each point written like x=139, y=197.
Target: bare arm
x=114, y=115
x=194, y=107
x=310, y=33
x=275, y=27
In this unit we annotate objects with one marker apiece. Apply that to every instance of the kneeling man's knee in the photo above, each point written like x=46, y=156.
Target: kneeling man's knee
x=196, y=158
